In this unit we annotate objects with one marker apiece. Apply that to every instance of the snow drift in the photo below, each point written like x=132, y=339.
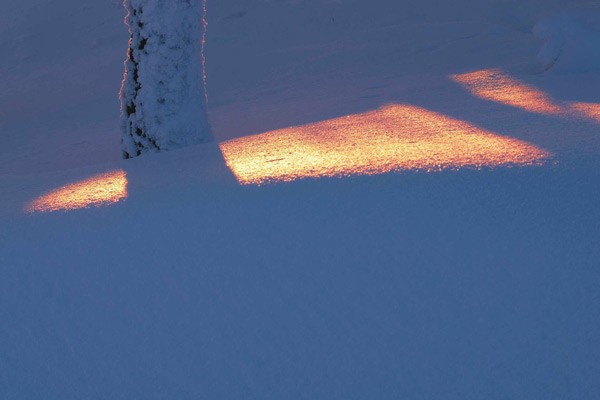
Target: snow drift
x=571, y=41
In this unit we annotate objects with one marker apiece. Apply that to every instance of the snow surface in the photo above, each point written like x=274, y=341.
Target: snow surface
x=571, y=41
x=466, y=283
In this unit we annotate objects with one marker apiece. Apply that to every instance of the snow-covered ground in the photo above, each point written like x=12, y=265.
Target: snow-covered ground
x=472, y=271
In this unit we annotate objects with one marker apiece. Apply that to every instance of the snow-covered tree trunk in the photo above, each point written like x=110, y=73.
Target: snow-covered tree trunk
x=163, y=98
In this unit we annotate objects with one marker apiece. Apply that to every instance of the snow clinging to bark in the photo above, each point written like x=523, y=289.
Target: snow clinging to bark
x=163, y=98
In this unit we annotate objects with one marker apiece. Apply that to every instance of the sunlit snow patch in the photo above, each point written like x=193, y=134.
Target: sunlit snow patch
x=393, y=138
x=100, y=190
x=495, y=85
x=499, y=87
x=587, y=110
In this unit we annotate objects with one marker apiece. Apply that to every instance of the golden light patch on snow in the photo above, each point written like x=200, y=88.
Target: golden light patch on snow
x=497, y=86
x=494, y=85
x=100, y=190
x=587, y=110
x=393, y=138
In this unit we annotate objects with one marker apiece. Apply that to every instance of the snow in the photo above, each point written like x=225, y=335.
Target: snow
x=458, y=258
x=163, y=100
x=571, y=41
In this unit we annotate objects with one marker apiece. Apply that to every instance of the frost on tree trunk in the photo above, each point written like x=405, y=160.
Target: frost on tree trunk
x=163, y=100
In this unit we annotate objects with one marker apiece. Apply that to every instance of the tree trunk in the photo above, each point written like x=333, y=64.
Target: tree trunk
x=163, y=98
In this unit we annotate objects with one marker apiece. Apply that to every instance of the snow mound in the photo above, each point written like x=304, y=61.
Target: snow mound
x=571, y=41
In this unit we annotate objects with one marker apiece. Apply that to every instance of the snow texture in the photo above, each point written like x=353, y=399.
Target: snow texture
x=467, y=284
x=571, y=41
x=163, y=96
